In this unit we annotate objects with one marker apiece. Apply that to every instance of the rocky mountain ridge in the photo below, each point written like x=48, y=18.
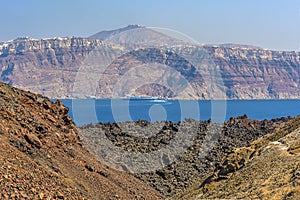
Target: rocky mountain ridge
x=84, y=67
x=26, y=44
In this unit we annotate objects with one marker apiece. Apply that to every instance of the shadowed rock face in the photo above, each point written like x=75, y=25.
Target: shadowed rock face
x=41, y=155
x=53, y=66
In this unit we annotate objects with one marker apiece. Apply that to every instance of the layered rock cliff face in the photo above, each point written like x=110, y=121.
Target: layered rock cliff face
x=43, y=66
x=50, y=66
x=78, y=67
x=257, y=73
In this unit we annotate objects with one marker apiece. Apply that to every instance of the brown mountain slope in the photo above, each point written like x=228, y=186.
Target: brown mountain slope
x=267, y=169
x=41, y=156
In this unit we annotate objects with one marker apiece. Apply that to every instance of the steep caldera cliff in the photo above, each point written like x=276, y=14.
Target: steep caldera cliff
x=81, y=67
x=257, y=73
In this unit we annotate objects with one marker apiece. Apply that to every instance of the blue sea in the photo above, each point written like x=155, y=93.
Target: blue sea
x=84, y=111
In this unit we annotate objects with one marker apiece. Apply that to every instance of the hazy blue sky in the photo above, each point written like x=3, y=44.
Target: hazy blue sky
x=273, y=24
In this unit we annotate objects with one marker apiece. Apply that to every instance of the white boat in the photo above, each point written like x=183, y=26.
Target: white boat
x=146, y=98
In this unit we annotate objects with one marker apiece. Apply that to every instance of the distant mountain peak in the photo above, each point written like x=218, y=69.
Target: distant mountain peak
x=106, y=34
x=132, y=26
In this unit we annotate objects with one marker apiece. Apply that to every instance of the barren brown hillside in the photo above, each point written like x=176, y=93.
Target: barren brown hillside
x=41, y=156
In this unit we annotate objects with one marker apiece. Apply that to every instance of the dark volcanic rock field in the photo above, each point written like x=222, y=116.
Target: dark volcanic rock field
x=211, y=143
